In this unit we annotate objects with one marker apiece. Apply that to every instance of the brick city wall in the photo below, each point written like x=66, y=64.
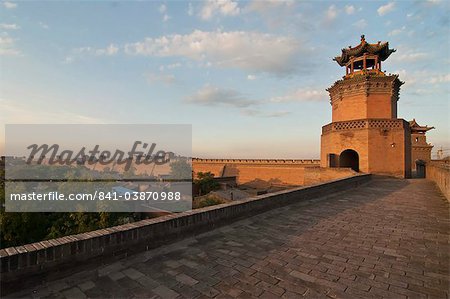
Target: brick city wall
x=439, y=172
x=288, y=172
x=52, y=257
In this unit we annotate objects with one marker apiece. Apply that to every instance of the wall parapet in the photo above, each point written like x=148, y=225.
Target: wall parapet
x=36, y=259
x=258, y=161
x=439, y=172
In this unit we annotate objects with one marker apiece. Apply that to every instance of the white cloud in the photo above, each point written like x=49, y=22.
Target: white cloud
x=43, y=25
x=163, y=10
x=251, y=51
x=214, y=96
x=77, y=53
x=110, y=50
x=408, y=77
x=259, y=113
x=384, y=9
x=349, y=9
x=407, y=55
x=277, y=114
x=411, y=56
x=331, y=13
x=301, y=95
x=413, y=78
x=223, y=7
x=9, y=26
x=190, y=10
x=361, y=24
x=440, y=79
x=396, y=31
x=271, y=11
x=160, y=78
x=9, y=5
x=68, y=60
x=266, y=6
x=251, y=77
x=16, y=112
x=170, y=66
x=7, y=45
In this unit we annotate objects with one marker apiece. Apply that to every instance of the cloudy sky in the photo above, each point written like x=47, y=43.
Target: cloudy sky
x=249, y=76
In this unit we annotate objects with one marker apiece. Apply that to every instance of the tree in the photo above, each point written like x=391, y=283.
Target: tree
x=180, y=170
x=205, y=182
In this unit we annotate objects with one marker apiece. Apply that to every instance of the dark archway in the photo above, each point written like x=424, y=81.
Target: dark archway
x=349, y=158
x=421, y=169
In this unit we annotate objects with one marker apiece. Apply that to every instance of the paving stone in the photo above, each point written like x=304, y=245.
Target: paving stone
x=277, y=290
x=206, y=289
x=183, y=278
x=105, y=270
x=116, y=275
x=147, y=282
x=133, y=273
x=165, y=292
x=128, y=283
x=57, y=286
x=143, y=293
x=74, y=293
x=87, y=285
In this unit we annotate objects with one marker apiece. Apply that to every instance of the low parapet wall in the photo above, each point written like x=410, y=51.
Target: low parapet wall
x=439, y=172
x=38, y=259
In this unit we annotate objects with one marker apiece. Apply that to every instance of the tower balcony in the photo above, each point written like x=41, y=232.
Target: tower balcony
x=365, y=124
x=363, y=65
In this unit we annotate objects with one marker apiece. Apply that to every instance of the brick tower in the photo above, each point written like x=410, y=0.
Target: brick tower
x=420, y=149
x=365, y=133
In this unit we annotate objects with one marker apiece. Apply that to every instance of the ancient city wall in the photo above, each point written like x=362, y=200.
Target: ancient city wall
x=22, y=263
x=439, y=172
x=283, y=172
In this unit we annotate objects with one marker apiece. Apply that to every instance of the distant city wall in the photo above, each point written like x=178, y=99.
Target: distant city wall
x=274, y=172
x=41, y=261
x=439, y=172
x=281, y=172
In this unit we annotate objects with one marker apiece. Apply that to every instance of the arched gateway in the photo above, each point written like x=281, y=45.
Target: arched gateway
x=349, y=158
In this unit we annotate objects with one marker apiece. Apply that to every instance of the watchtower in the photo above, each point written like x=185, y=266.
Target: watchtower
x=420, y=148
x=365, y=133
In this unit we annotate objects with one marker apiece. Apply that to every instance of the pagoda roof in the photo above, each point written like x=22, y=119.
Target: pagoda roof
x=415, y=127
x=380, y=49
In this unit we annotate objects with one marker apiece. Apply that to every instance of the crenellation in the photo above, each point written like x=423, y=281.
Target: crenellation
x=257, y=161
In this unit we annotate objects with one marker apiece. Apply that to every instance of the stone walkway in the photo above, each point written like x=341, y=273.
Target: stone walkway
x=389, y=238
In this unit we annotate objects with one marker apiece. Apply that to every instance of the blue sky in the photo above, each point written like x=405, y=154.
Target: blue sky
x=249, y=76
